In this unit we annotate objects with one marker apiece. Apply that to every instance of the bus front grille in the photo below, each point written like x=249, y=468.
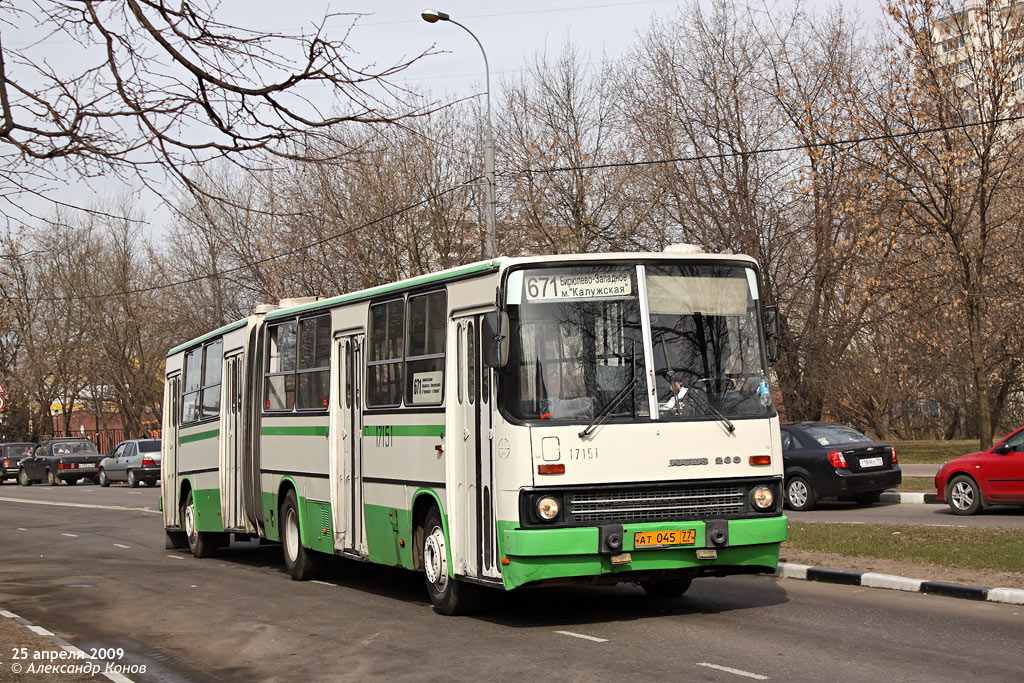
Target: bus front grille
x=656, y=504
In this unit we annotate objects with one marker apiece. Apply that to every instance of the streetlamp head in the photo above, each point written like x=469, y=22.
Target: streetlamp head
x=432, y=16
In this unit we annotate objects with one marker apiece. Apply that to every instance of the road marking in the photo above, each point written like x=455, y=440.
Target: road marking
x=70, y=535
x=584, y=637
x=119, y=545
x=738, y=672
x=322, y=583
x=79, y=505
x=176, y=557
x=40, y=630
x=21, y=528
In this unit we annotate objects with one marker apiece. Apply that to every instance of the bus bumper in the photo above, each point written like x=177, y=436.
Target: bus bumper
x=535, y=555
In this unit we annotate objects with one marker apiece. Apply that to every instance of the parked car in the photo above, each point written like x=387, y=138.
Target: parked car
x=825, y=459
x=10, y=455
x=60, y=460
x=976, y=480
x=133, y=461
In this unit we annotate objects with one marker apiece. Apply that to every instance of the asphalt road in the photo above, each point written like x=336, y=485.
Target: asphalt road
x=100, y=577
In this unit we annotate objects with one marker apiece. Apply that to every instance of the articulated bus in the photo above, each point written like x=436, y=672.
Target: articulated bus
x=511, y=423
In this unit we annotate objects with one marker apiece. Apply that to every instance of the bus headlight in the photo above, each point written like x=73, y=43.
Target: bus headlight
x=762, y=498
x=547, y=508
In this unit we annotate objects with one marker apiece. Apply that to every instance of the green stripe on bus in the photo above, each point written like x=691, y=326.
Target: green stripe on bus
x=199, y=436
x=293, y=431
x=405, y=430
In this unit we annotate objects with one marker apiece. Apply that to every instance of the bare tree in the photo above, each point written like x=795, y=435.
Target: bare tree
x=561, y=142
x=954, y=72
x=153, y=87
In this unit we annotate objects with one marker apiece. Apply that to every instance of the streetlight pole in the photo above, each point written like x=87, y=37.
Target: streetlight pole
x=433, y=16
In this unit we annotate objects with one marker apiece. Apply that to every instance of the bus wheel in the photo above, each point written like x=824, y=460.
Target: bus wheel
x=302, y=564
x=667, y=588
x=448, y=595
x=199, y=542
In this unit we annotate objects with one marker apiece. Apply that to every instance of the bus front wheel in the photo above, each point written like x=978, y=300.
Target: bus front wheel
x=302, y=564
x=448, y=595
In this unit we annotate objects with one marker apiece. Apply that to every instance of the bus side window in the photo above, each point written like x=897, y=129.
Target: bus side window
x=191, y=384
x=424, y=360
x=314, y=361
x=213, y=356
x=386, y=354
x=280, y=368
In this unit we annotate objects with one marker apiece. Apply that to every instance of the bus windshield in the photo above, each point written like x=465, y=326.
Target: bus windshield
x=705, y=341
x=577, y=342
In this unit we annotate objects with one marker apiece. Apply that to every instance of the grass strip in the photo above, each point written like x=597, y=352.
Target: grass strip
x=925, y=484
x=933, y=452
x=976, y=548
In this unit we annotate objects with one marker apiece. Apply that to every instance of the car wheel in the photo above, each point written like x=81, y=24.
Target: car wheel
x=448, y=595
x=51, y=479
x=103, y=480
x=963, y=495
x=200, y=543
x=302, y=564
x=799, y=494
x=867, y=498
x=132, y=481
x=23, y=478
x=669, y=588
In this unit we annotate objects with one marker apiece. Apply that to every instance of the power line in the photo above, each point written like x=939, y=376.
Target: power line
x=267, y=259
x=774, y=150
x=588, y=167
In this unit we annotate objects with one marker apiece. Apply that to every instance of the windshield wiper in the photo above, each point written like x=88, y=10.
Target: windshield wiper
x=722, y=418
x=602, y=414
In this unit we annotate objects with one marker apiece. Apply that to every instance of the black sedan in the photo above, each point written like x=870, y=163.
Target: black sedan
x=10, y=455
x=829, y=460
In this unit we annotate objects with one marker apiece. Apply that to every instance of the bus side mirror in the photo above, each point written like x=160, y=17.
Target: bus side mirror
x=494, y=332
x=772, y=332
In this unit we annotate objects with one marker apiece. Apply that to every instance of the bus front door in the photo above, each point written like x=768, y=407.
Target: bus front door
x=469, y=465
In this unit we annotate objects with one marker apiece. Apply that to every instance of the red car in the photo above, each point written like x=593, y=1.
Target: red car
x=977, y=480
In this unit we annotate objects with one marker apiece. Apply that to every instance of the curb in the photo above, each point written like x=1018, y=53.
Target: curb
x=1011, y=596
x=78, y=656
x=898, y=497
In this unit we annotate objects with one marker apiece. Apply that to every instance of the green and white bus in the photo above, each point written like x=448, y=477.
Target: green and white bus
x=515, y=422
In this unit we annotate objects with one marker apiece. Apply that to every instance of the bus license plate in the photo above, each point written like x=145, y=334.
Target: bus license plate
x=662, y=539
x=870, y=462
